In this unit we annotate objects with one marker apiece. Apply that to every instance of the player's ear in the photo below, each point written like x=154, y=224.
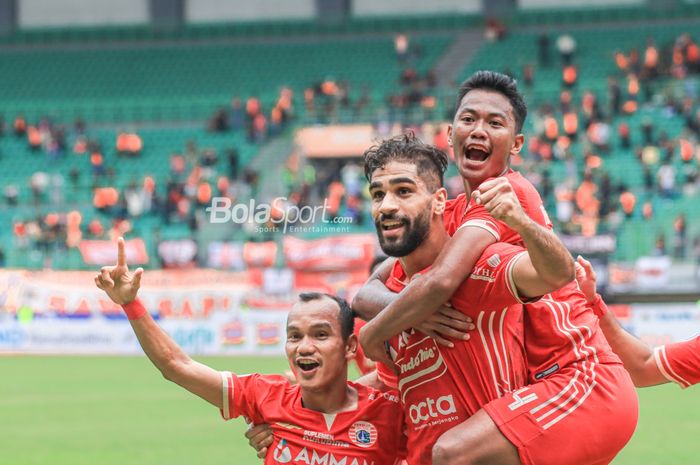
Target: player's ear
x=449, y=135
x=518, y=144
x=439, y=201
x=351, y=347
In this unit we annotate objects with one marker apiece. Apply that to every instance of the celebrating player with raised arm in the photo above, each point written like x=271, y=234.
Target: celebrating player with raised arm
x=323, y=417
x=571, y=368
x=678, y=362
x=443, y=387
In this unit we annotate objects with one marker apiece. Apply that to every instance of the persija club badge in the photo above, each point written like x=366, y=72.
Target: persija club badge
x=363, y=434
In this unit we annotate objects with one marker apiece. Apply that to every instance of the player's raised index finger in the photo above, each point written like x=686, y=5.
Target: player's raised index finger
x=121, y=253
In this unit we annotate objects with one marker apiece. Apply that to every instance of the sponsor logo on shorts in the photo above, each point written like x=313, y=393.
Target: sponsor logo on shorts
x=363, y=434
x=547, y=372
x=431, y=409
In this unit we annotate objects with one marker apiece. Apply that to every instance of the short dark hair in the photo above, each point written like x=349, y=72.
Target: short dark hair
x=346, y=317
x=430, y=162
x=501, y=83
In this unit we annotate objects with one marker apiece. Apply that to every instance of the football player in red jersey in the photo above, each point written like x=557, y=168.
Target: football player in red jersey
x=323, y=415
x=678, y=362
x=571, y=368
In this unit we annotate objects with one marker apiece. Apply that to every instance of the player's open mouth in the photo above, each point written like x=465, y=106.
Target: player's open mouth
x=392, y=224
x=307, y=365
x=479, y=154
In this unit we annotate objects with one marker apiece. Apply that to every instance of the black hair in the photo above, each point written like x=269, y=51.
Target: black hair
x=501, y=83
x=430, y=162
x=346, y=317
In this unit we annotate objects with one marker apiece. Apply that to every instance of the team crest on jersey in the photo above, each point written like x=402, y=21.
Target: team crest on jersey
x=494, y=260
x=363, y=434
x=282, y=454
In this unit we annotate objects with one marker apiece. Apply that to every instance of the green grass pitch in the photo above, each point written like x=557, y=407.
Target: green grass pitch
x=120, y=411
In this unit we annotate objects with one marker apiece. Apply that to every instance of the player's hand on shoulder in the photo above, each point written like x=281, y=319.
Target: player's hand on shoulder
x=260, y=438
x=373, y=348
x=445, y=324
x=499, y=199
x=117, y=281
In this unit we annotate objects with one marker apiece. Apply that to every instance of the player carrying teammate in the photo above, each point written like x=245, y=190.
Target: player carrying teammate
x=443, y=387
x=678, y=362
x=322, y=418
x=571, y=368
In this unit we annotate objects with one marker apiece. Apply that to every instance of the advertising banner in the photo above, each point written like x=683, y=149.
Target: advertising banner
x=337, y=253
x=658, y=324
x=178, y=254
x=233, y=333
x=225, y=255
x=105, y=252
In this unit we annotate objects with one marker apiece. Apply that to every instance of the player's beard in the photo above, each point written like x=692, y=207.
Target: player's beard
x=414, y=234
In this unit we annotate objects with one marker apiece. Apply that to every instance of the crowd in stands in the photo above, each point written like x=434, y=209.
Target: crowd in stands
x=582, y=135
x=252, y=119
x=195, y=175
x=571, y=138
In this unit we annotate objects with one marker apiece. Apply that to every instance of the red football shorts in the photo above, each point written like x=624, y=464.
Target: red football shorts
x=580, y=415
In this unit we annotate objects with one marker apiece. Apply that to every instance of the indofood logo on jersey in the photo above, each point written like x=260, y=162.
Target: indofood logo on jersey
x=431, y=409
x=415, y=361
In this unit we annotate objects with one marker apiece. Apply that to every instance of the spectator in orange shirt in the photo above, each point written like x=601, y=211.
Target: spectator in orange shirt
x=129, y=144
x=569, y=75
x=586, y=200
x=336, y=191
x=651, y=60
x=19, y=126
x=627, y=201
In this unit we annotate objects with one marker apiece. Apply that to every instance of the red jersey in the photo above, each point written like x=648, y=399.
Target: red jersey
x=680, y=362
x=372, y=434
x=462, y=211
x=560, y=329
x=441, y=387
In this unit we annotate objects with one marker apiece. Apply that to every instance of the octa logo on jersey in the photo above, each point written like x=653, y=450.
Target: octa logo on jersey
x=431, y=408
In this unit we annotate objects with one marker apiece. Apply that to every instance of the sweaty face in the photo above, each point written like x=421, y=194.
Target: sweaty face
x=483, y=135
x=401, y=208
x=315, y=348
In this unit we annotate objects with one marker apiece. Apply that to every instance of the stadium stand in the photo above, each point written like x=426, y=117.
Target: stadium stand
x=168, y=83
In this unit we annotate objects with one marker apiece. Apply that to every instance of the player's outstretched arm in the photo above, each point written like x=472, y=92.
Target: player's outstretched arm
x=553, y=262
x=122, y=287
x=442, y=326
x=637, y=357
